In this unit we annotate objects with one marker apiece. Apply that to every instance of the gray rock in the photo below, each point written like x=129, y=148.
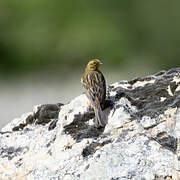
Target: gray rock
x=141, y=139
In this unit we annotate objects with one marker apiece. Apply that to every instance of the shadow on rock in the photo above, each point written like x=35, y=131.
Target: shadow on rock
x=79, y=129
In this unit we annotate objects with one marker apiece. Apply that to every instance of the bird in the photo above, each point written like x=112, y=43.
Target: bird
x=95, y=89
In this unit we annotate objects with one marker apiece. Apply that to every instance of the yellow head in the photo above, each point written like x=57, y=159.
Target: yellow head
x=93, y=65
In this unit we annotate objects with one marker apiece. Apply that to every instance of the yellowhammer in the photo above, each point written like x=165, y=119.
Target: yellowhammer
x=95, y=89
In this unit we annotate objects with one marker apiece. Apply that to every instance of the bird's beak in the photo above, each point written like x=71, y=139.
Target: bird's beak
x=100, y=62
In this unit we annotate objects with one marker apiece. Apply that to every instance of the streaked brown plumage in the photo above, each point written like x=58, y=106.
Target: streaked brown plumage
x=95, y=89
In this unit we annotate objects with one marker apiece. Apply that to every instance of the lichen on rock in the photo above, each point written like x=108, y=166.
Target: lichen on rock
x=141, y=139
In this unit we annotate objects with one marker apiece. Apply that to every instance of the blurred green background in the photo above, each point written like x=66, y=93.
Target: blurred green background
x=45, y=45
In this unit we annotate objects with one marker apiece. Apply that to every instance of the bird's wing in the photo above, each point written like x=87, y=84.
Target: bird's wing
x=94, y=83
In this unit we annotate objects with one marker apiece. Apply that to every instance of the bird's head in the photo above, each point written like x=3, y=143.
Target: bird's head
x=94, y=65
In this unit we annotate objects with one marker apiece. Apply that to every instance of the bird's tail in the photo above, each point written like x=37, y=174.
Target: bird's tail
x=99, y=116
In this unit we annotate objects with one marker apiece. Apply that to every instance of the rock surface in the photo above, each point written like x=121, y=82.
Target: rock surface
x=141, y=139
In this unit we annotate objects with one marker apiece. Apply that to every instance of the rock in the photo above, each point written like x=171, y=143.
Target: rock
x=141, y=139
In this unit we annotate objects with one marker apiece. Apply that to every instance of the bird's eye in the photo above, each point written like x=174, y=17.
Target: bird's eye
x=94, y=62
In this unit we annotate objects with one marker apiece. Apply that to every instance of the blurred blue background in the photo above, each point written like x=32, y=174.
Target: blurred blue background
x=45, y=45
